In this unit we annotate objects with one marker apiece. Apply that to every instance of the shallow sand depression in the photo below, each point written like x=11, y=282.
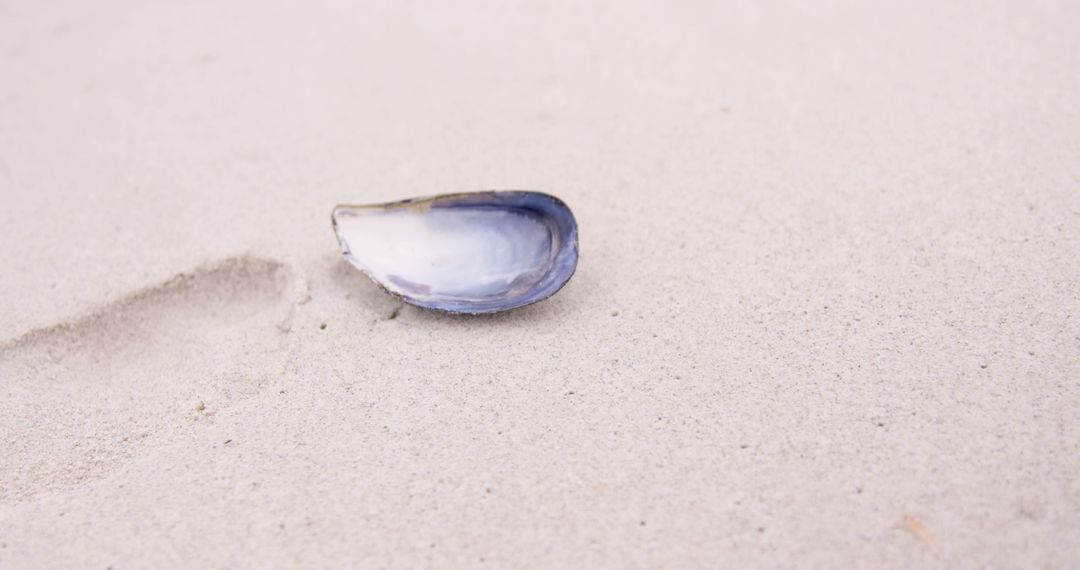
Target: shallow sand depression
x=825, y=314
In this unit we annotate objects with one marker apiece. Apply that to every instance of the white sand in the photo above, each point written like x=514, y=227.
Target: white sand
x=827, y=312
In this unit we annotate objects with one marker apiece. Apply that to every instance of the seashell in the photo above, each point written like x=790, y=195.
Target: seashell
x=476, y=252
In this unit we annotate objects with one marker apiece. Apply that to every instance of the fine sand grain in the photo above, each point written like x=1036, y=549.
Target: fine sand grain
x=827, y=312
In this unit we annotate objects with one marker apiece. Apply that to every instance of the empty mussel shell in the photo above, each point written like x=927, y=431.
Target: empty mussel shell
x=476, y=252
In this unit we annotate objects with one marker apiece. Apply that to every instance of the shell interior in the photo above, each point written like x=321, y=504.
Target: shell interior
x=467, y=253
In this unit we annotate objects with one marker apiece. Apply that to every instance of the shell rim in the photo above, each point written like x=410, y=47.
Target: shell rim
x=424, y=202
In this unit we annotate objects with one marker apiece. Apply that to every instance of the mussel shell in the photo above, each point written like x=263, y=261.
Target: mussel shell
x=476, y=252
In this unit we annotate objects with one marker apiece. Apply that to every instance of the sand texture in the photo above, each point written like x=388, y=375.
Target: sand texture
x=827, y=312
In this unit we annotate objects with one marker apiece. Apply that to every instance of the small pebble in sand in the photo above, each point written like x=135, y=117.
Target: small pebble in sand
x=920, y=531
x=200, y=406
x=615, y=313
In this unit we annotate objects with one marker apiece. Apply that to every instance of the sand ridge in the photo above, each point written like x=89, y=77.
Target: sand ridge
x=92, y=368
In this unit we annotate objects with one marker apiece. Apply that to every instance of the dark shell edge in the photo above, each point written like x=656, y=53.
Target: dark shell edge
x=425, y=202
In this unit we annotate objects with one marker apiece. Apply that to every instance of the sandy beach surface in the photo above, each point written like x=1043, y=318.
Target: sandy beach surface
x=827, y=312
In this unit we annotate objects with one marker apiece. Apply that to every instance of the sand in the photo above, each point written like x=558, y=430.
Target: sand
x=827, y=312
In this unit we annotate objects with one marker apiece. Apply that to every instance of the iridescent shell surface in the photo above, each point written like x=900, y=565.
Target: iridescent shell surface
x=477, y=252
